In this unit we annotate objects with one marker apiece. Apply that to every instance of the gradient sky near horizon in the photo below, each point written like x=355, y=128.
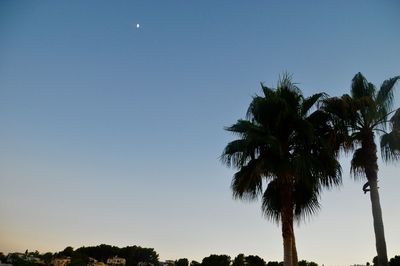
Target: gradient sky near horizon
x=112, y=133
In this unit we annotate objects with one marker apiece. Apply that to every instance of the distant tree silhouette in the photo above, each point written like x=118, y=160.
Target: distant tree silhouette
x=67, y=252
x=78, y=259
x=101, y=252
x=47, y=258
x=2, y=257
x=194, y=263
x=395, y=261
x=216, y=260
x=375, y=261
x=239, y=260
x=274, y=263
x=252, y=260
x=135, y=254
x=307, y=263
x=182, y=262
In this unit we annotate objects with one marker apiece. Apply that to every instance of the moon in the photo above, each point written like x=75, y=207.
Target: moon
x=137, y=26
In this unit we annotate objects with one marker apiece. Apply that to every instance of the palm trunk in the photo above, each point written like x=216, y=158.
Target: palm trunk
x=287, y=243
x=371, y=171
x=287, y=227
x=294, y=250
x=378, y=224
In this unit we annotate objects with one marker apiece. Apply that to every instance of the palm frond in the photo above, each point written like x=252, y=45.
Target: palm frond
x=306, y=199
x=285, y=81
x=268, y=92
x=360, y=87
x=337, y=116
x=335, y=106
x=238, y=152
x=358, y=163
x=245, y=127
x=254, y=107
x=390, y=146
x=384, y=101
x=343, y=109
x=264, y=111
x=271, y=203
x=384, y=97
x=395, y=120
x=247, y=182
x=326, y=170
x=309, y=102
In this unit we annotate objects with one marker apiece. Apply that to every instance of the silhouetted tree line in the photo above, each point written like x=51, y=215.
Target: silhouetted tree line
x=136, y=254
x=132, y=254
x=242, y=260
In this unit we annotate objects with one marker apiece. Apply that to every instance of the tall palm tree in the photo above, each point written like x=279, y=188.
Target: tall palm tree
x=363, y=114
x=285, y=147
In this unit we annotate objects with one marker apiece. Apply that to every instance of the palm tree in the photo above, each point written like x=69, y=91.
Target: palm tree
x=362, y=114
x=284, y=146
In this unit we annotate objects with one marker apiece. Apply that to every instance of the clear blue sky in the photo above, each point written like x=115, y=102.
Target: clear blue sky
x=112, y=133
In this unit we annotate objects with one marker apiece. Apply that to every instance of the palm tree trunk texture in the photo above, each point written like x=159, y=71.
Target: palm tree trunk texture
x=287, y=226
x=294, y=250
x=371, y=171
x=378, y=224
x=287, y=244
